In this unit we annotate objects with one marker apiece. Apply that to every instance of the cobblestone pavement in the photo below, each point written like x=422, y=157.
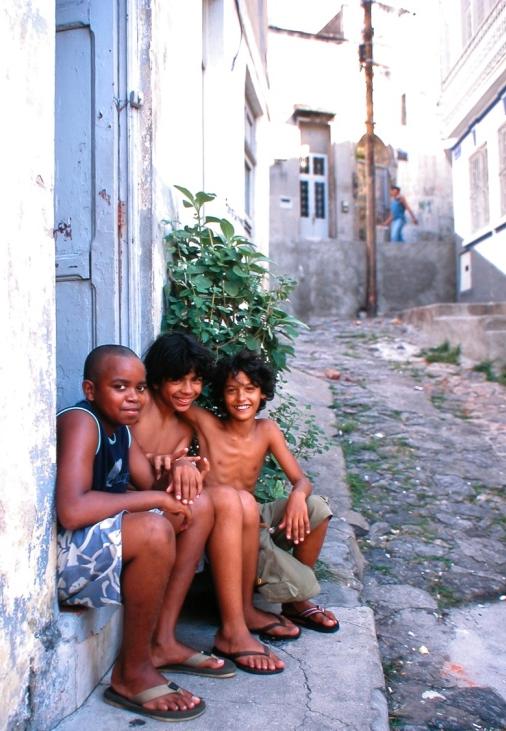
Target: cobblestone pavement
x=425, y=451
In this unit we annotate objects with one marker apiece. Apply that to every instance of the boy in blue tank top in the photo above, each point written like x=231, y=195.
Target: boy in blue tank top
x=117, y=545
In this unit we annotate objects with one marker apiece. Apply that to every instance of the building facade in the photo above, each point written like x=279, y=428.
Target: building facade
x=113, y=103
x=473, y=106
x=318, y=203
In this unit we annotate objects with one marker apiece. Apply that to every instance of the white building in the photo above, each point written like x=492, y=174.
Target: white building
x=111, y=103
x=318, y=179
x=473, y=106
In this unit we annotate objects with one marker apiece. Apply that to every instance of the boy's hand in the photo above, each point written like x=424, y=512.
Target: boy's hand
x=188, y=474
x=163, y=462
x=175, y=507
x=160, y=463
x=295, y=521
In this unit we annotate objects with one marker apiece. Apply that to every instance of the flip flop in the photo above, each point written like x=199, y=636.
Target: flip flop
x=265, y=633
x=247, y=653
x=135, y=704
x=193, y=666
x=304, y=620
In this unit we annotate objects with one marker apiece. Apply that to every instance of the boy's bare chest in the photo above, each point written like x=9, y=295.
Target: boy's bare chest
x=159, y=436
x=237, y=461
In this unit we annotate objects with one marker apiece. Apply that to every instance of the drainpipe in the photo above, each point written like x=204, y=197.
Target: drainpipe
x=367, y=60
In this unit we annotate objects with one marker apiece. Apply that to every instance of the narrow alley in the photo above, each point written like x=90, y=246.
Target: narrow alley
x=425, y=452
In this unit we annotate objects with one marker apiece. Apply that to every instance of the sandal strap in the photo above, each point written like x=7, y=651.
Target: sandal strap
x=157, y=691
x=199, y=659
x=312, y=610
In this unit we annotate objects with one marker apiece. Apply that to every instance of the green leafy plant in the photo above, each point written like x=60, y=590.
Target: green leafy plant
x=217, y=289
x=443, y=353
x=220, y=289
x=488, y=369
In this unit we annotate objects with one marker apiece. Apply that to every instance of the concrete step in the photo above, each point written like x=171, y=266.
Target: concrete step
x=479, y=329
x=88, y=644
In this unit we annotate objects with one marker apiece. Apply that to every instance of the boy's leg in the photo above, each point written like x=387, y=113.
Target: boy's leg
x=225, y=550
x=190, y=545
x=148, y=546
x=256, y=618
x=307, y=553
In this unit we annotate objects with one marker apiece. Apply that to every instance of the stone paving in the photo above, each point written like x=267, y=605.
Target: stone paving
x=425, y=453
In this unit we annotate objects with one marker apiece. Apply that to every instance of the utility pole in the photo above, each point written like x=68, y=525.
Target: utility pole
x=367, y=61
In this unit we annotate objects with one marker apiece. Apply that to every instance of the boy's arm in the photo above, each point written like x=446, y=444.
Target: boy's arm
x=295, y=521
x=197, y=417
x=77, y=504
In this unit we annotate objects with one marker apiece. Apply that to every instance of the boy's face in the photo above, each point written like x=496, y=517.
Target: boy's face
x=118, y=391
x=182, y=392
x=242, y=398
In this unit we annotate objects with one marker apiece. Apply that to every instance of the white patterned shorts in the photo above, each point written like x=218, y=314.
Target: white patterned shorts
x=89, y=562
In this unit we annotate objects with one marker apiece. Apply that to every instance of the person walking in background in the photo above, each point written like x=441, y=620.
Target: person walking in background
x=397, y=216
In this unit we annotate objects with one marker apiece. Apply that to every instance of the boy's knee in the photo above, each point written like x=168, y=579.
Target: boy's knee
x=224, y=498
x=155, y=531
x=318, y=510
x=250, y=511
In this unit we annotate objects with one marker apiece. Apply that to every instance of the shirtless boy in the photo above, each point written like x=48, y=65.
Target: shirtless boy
x=236, y=447
x=176, y=367
x=112, y=549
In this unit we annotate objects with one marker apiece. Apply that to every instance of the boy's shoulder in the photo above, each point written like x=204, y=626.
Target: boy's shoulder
x=267, y=425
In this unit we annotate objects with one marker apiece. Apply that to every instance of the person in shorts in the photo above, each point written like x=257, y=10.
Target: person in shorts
x=117, y=545
x=292, y=529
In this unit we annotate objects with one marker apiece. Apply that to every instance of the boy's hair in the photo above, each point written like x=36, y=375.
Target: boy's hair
x=94, y=359
x=173, y=355
x=259, y=372
x=395, y=187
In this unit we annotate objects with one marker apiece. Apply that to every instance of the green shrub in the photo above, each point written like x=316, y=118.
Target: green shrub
x=216, y=289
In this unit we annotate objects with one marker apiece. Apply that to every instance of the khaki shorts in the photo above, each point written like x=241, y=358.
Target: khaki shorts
x=281, y=577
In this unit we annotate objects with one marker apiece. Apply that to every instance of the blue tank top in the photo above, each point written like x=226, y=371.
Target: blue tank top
x=110, y=468
x=397, y=208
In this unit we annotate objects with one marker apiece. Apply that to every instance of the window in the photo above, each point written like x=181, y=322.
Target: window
x=313, y=195
x=502, y=167
x=249, y=163
x=478, y=187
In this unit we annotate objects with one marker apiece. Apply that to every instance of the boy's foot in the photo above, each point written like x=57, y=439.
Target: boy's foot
x=311, y=616
x=271, y=626
x=241, y=658
x=247, y=653
x=196, y=665
x=168, y=656
x=145, y=691
x=140, y=703
x=279, y=629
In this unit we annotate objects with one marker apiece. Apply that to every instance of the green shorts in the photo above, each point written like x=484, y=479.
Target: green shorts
x=281, y=577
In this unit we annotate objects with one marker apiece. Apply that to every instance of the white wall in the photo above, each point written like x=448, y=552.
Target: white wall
x=494, y=248
x=27, y=400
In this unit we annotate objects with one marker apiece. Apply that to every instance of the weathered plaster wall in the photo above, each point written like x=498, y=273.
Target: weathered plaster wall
x=27, y=400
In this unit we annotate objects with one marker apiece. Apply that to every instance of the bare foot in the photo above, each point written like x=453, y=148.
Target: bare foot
x=132, y=682
x=308, y=614
x=282, y=628
x=244, y=642
x=176, y=653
